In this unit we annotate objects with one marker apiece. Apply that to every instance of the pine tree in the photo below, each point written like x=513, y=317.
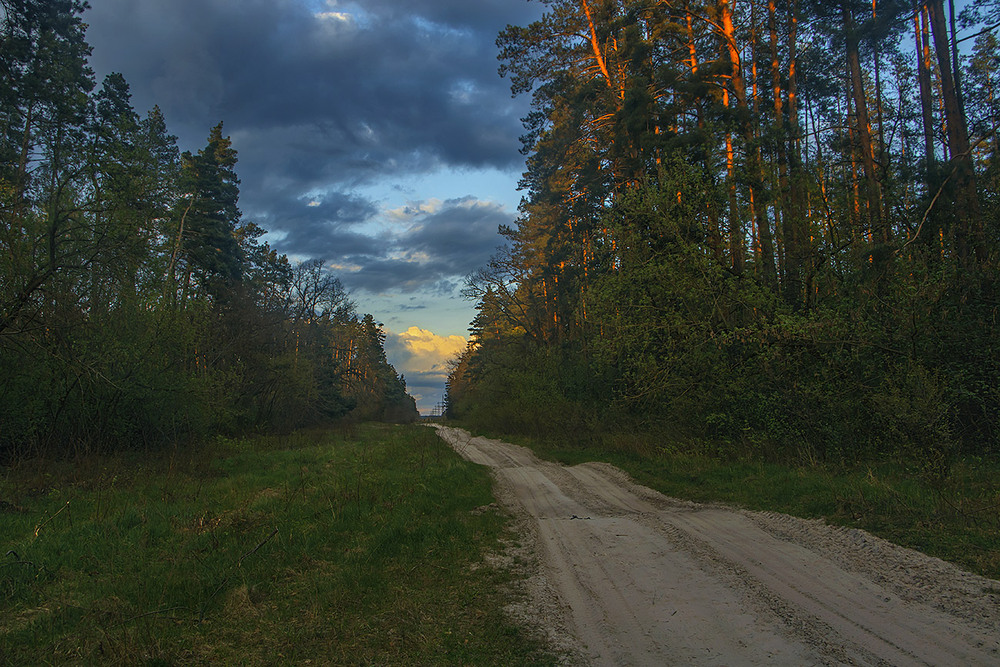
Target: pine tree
x=207, y=217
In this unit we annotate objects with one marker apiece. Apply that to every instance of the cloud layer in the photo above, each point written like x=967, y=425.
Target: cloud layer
x=330, y=104
x=432, y=247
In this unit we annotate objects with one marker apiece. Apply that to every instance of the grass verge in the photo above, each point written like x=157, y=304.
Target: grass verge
x=957, y=520
x=363, y=547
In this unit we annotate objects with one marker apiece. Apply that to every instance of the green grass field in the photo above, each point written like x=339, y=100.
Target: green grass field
x=358, y=547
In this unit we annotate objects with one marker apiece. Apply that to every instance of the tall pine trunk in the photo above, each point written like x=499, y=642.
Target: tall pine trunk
x=754, y=169
x=930, y=231
x=792, y=264
x=870, y=185
x=796, y=177
x=968, y=231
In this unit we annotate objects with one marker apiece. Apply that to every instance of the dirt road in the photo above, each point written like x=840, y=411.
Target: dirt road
x=631, y=577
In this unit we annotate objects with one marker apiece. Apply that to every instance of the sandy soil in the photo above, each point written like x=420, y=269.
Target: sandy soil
x=627, y=576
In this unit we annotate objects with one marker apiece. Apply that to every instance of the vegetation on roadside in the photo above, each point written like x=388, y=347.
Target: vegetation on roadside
x=956, y=519
x=768, y=232
x=138, y=308
x=359, y=547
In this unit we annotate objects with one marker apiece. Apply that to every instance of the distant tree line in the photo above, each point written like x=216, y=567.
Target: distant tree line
x=137, y=307
x=769, y=226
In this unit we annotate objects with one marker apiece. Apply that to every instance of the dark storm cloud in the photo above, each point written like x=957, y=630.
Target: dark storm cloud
x=334, y=208
x=436, y=250
x=429, y=251
x=329, y=97
x=485, y=17
x=378, y=80
x=321, y=226
x=426, y=381
x=462, y=235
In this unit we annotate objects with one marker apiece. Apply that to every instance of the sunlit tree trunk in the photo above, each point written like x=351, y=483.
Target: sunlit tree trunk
x=968, y=232
x=595, y=45
x=862, y=130
x=737, y=233
x=754, y=169
x=798, y=207
x=920, y=29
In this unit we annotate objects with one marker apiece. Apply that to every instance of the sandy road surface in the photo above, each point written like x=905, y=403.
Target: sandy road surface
x=642, y=579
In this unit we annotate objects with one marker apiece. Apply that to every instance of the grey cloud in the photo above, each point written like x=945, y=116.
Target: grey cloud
x=437, y=251
x=385, y=88
x=322, y=230
x=463, y=234
x=428, y=380
x=329, y=106
x=459, y=14
x=382, y=275
x=430, y=256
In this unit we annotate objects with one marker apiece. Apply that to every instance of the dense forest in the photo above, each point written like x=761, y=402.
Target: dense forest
x=137, y=307
x=767, y=227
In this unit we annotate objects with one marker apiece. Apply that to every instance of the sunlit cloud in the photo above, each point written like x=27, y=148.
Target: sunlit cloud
x=334, y=16
x=344, y=268
x=422, y=357
x=427, y=352
x=414, y=209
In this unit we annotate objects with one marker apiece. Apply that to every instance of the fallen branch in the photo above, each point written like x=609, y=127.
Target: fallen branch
x=256, y=548
x=157, y=613
x=44, y=523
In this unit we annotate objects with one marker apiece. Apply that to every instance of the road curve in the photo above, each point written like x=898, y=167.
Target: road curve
x=648, y=580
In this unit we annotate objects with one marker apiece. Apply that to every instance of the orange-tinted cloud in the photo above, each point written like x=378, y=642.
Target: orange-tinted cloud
x=428, y=352
x=422, y=356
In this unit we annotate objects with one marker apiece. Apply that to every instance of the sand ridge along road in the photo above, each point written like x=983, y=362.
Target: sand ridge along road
x=642, y=579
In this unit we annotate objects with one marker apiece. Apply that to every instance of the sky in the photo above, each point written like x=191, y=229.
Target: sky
x=374, y=135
